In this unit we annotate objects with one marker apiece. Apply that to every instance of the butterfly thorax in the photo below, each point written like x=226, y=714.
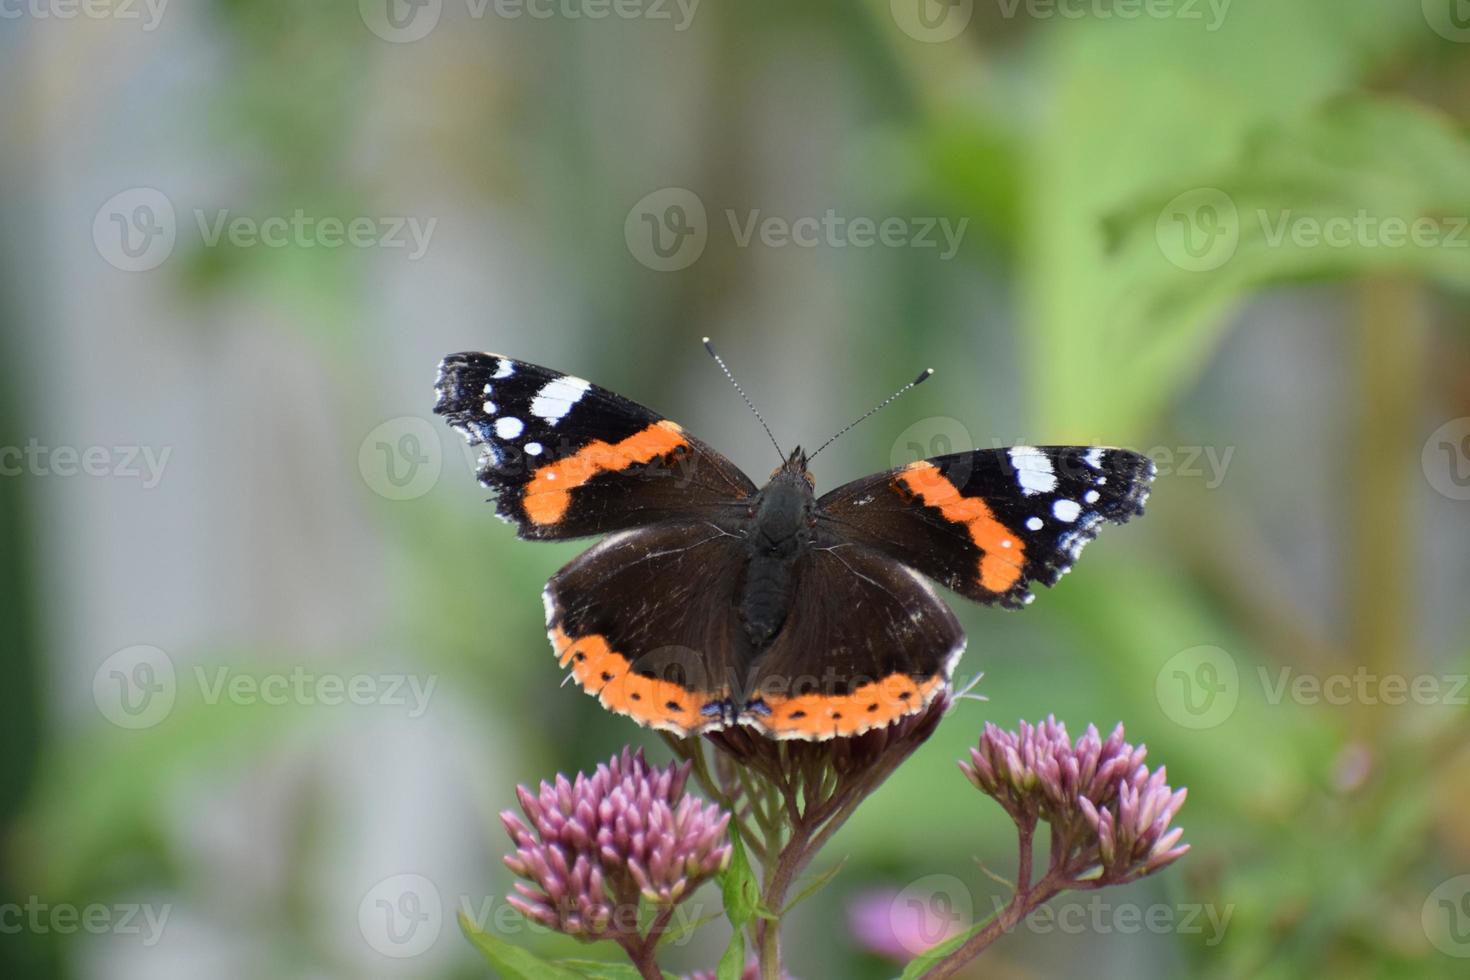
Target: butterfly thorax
x=778, y=532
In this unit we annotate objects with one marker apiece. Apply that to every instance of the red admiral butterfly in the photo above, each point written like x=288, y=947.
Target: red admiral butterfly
x=714, y=602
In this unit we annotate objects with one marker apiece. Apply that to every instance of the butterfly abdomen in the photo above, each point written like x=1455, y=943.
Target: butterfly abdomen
x=779, y=533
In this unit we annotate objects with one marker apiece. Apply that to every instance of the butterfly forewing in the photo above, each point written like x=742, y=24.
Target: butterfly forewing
x=568, y=459
x=988, y=524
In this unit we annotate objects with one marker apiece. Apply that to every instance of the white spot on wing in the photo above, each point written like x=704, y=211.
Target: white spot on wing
x=504, y=369
x=1034, y=523
x=1090, y=496
x=1094, y=457
x=489, y=408
x=533, y=449
x=1033, y=470
x=556, y=398
x=1066, y=510
x=509, y=427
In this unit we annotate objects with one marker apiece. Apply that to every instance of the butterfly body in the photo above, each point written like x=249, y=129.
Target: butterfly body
x=780, y=530
x=711, y=602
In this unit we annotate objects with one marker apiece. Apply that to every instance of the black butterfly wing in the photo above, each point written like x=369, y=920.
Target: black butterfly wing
x=646, y=621
x=866, y=642
x=566, y=458
x=988, y=524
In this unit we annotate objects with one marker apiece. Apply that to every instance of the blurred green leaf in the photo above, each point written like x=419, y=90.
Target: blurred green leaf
x=741, y=893
x=1169, y=106
x=513, y=962
x=815, y=885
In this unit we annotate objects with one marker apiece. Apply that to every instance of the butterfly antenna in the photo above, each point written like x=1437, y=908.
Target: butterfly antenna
x=924, y=376
x=748, y=403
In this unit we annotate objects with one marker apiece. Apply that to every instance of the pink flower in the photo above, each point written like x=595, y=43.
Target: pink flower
x=596, y=844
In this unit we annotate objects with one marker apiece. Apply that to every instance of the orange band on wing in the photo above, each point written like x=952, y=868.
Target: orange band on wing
x=873, y=705
x=548, y=495
x=1002, y=553
x=607, y=674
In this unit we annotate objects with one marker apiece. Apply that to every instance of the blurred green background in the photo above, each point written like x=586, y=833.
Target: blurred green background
x=1232, y=234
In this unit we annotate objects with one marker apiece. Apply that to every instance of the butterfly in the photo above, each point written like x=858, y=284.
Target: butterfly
x=712, y=602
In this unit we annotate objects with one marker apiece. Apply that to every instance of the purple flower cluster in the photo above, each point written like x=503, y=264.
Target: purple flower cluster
x=596, y=844
x=1106, y=809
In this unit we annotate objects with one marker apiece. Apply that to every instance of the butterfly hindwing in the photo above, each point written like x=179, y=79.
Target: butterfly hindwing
x=568, y=459
x=646, y=622
x=989, y=523
x=866, y=642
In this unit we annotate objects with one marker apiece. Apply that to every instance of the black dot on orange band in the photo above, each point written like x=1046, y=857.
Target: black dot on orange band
x=872, y=707
x=636, y=697
x=798, y=714
x=672, y=705
x=606, y=676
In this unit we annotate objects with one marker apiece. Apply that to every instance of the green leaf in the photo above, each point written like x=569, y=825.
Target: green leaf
x=738, y=887
x=1255, y=110
x=597, y=970
x=742, y=898
x=686, y=929
x=732, y=963
x=513, y=962
x=816, y=885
